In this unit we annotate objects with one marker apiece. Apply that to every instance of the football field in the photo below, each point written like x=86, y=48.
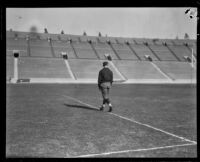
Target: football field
x=63, y=120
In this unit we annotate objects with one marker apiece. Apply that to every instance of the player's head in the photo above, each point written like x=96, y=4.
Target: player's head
x=105, y=64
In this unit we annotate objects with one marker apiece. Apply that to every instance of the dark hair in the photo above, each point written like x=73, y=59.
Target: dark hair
x=105, y=63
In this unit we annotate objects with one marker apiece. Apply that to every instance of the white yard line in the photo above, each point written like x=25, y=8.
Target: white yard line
x=182, y=138
x=136, y=150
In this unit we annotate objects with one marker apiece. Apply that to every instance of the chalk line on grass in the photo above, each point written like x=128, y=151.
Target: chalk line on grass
x=134, y=121
x=136, y=150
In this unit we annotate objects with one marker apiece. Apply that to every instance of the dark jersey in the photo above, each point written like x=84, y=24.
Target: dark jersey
x=105, y=75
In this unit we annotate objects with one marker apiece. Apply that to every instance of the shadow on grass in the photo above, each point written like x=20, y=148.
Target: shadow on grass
x=81, y=107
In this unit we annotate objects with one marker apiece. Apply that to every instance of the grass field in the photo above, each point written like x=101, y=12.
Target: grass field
x=61, y=120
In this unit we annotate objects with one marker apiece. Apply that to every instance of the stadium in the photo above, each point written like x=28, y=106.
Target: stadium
x=53, y=100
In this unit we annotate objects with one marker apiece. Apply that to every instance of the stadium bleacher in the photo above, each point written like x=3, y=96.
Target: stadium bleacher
x=143, y=50
x=10, y=34
x=103, y=39
x=142, y=41
x=85, y=69
x=84, y=50
x=163, y=53
x=32, y=67
x=59, y=46
x=16, y=44
x=138, y=70
x=102, y=49
x=86, y=53
x=124, y=52
x=65, y=37
x=74, y=38
x=167, y=41
x=22, y=34
x=111, y=40
x=92, y=39
x=129, y=40
x=177, y=70
x=40, y=48
x=83, y=38
x=121, y=40
x=88, y=69
x=192, y=45
x=180, y=51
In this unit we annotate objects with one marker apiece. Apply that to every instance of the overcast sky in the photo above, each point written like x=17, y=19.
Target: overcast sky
x=117, y=22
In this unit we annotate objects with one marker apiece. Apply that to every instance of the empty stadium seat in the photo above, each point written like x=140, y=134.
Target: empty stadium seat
x=85, y=53
x=16, y=44
x=10, y=34
x=120, y=46
x=139, y=40
x=157, y=42
x=179, y=41
x=88, y=69
x=54, y=36
x=138, y=69
x=125, y=40
x=84, y=50
x=121, y=40
x=167, y=41
x=111, y=39
x=44, y=36
x=177, y=70
x=31, y=67
x=103, y=39
x=85, y=69
x=83, y=38
x=81, y=45
x=130, y=40
x=59, y=47
x=93, y=39
x=180, y=51
x=65, y=37
x=74, y=38
x=163, y=53
x=149, y=41
x=124, y=52
x=40, y=48
x=102, y=49
x=142, y=50
x=22, y=34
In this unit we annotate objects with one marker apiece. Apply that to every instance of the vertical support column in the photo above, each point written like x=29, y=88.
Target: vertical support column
x=16, y=55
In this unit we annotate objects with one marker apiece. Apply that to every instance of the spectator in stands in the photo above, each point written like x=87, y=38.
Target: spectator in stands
x=105, y=80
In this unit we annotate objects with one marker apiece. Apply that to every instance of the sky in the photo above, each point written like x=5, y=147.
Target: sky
x=166, y=23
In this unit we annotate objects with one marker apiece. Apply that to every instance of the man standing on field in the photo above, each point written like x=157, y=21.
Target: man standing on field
x=105, y=80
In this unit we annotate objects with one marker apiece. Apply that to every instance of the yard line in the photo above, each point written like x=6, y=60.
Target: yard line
x=136, y=150
x=182, y=138
x=134, y=121
x=81, y=102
